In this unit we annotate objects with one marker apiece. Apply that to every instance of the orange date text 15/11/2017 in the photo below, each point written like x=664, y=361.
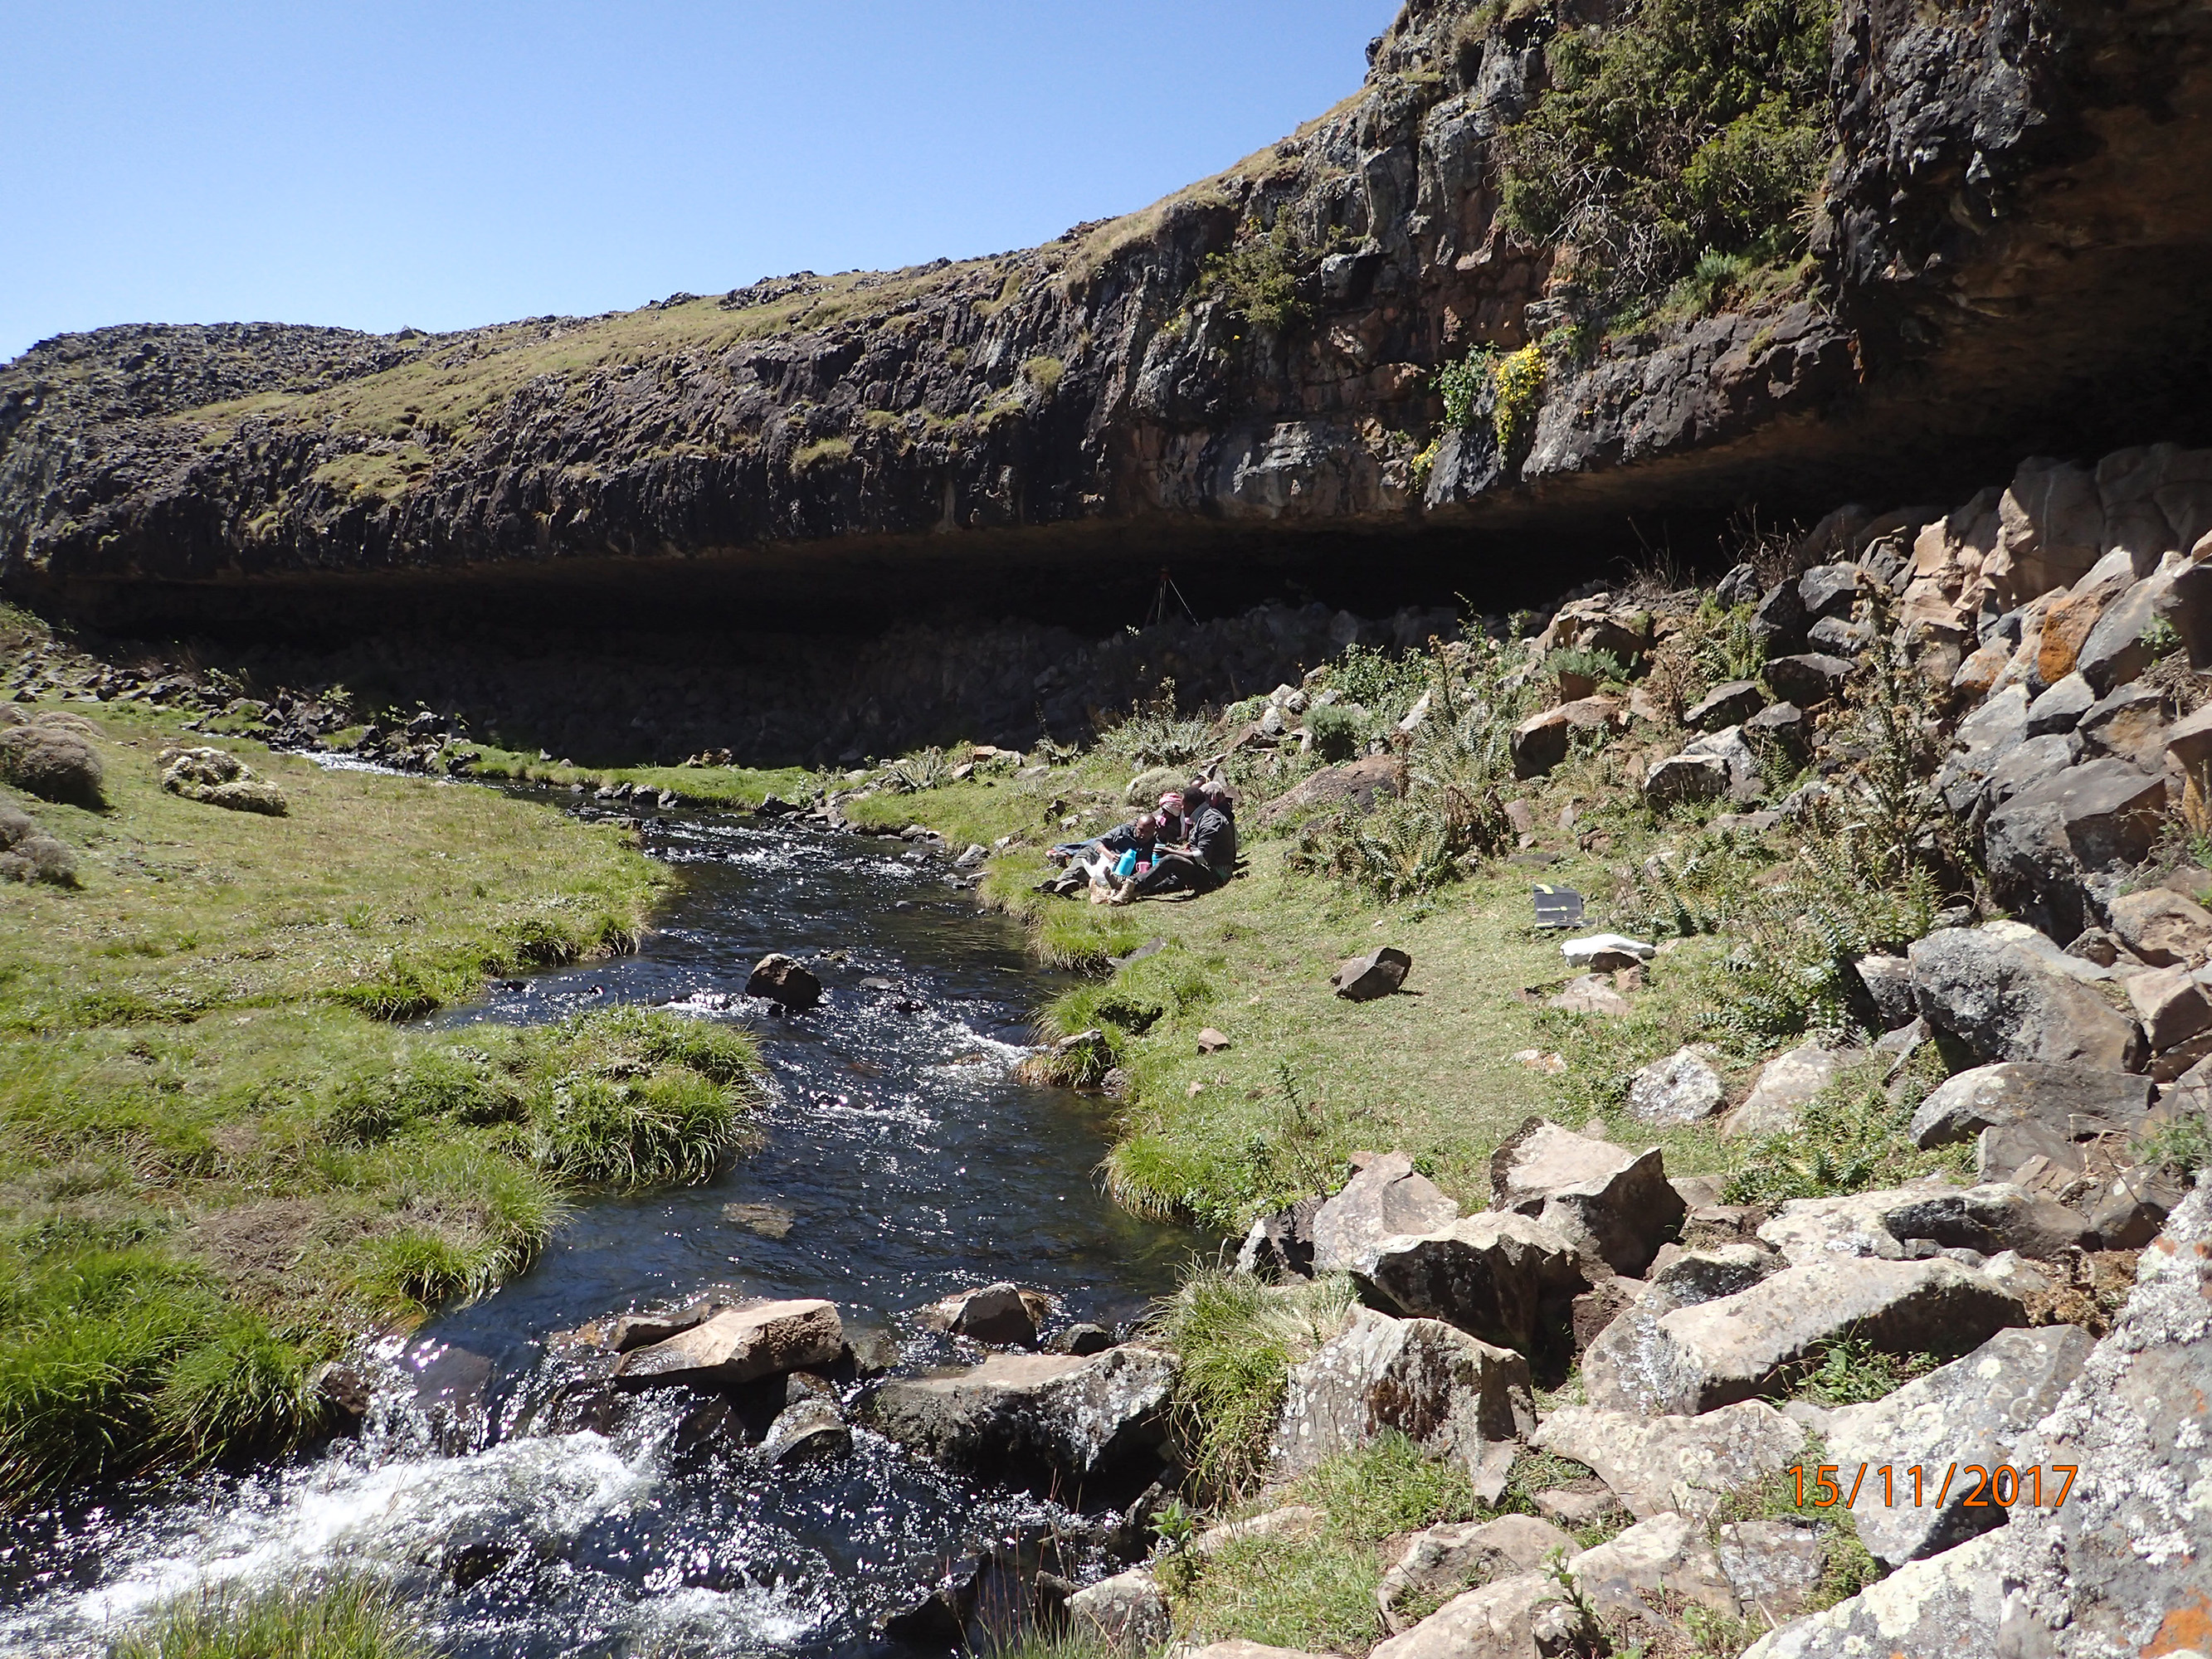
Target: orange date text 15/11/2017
x=1918, y=1485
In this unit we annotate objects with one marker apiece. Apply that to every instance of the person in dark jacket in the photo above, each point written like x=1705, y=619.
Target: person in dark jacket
x=1203, y=862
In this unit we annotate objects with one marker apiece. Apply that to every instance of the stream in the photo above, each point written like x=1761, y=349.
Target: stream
x=901, y=1161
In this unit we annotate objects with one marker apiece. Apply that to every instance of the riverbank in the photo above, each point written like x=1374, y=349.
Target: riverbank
x=221, y=1162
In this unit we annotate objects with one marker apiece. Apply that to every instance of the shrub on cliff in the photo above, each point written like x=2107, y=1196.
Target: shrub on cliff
x=1685, y=125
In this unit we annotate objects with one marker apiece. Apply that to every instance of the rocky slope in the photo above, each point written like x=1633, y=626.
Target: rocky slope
x=2012, y=245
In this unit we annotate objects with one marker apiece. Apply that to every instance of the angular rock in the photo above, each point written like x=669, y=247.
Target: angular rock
x=1829, y=590
x=737, y=1346
x=1782, y=724
x=2060, y=708
x=1541, y=742
x=1589, y=994
x=1973, y=1411
x=1998, y=724
x=2130, y=725
x=1929, y=1214
x=1888, y=982
x=1387, y=1197
x=1755, y=1342
x=2189, y=739
x=1807, y=680
x=997, y=1314
x=2130, y=1212
x=1773, y=1567
x=2004, y=1004
x=1378, y=974
x=2170, y=1004
x=1785, y=1083
x=1728, y=746
x=1683, y=1088
x=1613, y=1205
x=1281, y=1245
x=1457, y=1398
x=1051, y=1422
x=2028, y=763
x=938, y=1616
x=1728, y=704
x=1943, y=1607
x=1685, y=777
x=812, y=1428
x=1126, y=1610
x=1356, y=783
x=783, y=980
x=1630, y=1349
x=1499, y=1277
x=2125, y=1565
x=2100, y=815
x=2074, y=1101
x=1497, y=1621
x=1683, y=1463
x=2167, y=929
x=1653, y=1571
x=1444, y=1559
x=1781, y=614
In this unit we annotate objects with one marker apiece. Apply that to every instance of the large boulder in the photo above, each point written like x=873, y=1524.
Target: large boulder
x=1725, y=705
x=2071, y=1100
x=1614, y=1204
x=1685, y=777
x=1507, y=1279
x=1387, y=1197
x=1900, y=1222
x=1760, y=1340
x=1973, y=1410
x=1051, y=1422
x=2170, y=1004
x=2124, y=1564
x=1687, y=1464
x=1943, y=1607
x=1633, y=1346
x=737, y=1346
x=2102, y=816
x=1455, y=1397
x=1443, y=1560
x=2003, y=1002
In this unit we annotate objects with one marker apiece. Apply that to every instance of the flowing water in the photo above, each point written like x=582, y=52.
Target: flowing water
x=902, y=1161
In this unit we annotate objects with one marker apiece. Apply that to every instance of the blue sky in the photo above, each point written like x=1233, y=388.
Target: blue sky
x=380, y=164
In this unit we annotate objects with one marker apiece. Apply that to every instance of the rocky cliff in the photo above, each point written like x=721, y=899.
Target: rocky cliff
x=2012, y=251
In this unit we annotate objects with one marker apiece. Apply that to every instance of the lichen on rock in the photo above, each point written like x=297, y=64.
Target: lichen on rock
x=219, y=778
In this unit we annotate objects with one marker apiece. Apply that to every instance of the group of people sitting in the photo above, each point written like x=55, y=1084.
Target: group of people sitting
x=1188, y=845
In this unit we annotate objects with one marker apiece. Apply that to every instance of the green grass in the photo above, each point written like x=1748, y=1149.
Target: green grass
x=341, y=1618
x=739, y=786
x=1316, y=1593
x=215, y=1171
x=1238, y=1338
x=1847, y=1566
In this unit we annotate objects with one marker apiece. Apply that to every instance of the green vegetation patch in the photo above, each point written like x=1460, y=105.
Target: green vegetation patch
x=214, y=1171
x=346, y=1617
x=1683, y=126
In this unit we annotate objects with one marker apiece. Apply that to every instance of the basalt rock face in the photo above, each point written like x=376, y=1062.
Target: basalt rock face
x=2016, y=239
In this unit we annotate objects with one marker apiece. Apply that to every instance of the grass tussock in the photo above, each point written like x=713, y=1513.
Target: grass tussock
x=1238, y=1339
x=346, y=1617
